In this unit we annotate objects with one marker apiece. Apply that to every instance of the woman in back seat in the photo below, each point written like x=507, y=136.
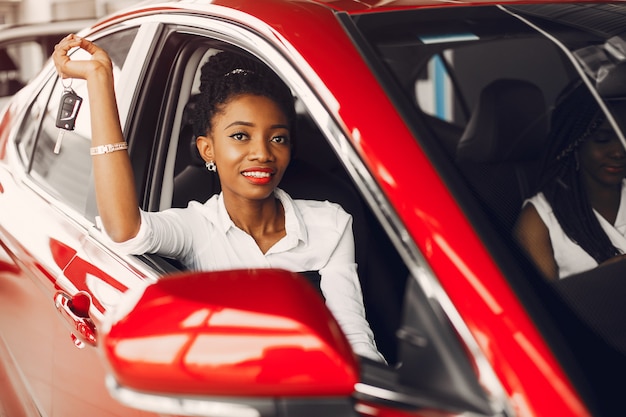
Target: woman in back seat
x=577, y=220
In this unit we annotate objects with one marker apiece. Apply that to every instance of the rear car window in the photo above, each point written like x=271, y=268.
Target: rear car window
x=479, y=89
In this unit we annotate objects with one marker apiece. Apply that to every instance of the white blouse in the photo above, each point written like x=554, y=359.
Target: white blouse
x=571, y=258
x=318, y=238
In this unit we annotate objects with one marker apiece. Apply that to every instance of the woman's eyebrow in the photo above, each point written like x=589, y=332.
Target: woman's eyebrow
x=239, y=123
x=250, y=124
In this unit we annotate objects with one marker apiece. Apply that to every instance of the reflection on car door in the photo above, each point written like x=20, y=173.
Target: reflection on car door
x=45, y=228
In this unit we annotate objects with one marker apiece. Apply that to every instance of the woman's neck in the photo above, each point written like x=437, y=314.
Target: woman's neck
x=264, y=220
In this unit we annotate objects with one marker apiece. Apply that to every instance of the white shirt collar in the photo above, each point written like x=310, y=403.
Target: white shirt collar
x=294, y=224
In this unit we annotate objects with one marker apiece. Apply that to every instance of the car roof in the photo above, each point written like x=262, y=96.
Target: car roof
x=377, y=5
x=350, y=6
x=267, y=8
x=371, y=6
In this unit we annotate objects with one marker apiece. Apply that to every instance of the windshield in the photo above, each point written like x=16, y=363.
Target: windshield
x=521, y=106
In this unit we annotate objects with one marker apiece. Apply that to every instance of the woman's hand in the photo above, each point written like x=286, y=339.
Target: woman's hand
x=83, y=69
x=614, y=259
x=113, y=174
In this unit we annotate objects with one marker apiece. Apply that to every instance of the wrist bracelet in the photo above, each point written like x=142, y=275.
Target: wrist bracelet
x=111, y=147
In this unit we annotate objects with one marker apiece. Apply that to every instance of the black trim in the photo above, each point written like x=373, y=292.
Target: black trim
x=143, y=122
x=314, y=278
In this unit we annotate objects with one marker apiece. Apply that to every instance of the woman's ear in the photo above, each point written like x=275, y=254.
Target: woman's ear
x=205, y=148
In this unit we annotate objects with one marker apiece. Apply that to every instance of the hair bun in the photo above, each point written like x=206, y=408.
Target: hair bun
x=225, y=63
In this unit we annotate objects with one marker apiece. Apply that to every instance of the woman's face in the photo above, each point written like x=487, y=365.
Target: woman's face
x=602, y=157
x=250, y=144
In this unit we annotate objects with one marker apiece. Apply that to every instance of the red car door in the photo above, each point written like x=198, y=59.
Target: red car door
x=47, y=345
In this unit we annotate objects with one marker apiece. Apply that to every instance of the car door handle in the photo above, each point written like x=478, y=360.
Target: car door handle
x=75, y=313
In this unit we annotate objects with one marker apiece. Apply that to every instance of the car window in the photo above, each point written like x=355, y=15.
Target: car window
x=29, y=127
x=67, y=174
x=179, y=174
x=494, y=119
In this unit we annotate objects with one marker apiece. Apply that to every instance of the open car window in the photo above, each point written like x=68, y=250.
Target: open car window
x=315, y=172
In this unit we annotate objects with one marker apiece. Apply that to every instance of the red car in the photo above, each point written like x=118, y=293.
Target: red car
x=389, y=94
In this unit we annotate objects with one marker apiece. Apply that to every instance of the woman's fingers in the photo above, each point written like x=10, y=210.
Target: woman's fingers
x=68, y=68
x=62, y=48
x=60, y=57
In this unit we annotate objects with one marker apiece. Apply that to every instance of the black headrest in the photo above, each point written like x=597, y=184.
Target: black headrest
x=509, y=123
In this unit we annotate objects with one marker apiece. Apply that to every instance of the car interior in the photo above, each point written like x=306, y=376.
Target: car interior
x=493, y=134
x=480, y=104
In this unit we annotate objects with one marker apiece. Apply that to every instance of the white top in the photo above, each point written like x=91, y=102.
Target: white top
x=318, y=238
x=571, y=258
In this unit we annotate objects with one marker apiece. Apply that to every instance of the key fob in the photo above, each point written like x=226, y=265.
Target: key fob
x=68, y=109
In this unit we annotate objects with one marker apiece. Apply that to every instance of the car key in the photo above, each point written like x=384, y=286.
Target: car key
x=66, y=117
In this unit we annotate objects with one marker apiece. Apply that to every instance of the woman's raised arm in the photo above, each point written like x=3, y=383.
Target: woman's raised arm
x=113, y=175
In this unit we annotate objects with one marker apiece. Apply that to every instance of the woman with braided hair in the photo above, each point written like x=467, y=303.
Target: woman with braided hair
x=577, y=220
x=245, y=130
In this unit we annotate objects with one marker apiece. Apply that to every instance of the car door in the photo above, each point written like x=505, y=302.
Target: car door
x=49, y=230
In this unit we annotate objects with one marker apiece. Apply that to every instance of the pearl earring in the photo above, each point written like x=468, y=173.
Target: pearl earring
x=211, y=166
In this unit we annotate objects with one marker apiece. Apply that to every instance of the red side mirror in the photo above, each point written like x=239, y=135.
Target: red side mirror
x=246, y=333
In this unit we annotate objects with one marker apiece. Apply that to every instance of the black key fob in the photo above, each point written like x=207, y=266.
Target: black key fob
x=68, y=109
x=66, y=117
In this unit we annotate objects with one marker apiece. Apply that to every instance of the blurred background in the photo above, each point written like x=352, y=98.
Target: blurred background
x=29, y=29
x=39, y=11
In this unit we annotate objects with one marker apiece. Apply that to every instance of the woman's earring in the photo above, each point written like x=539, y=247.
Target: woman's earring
x=211, y=166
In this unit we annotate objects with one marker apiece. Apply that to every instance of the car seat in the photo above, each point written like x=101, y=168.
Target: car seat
x=499, y=151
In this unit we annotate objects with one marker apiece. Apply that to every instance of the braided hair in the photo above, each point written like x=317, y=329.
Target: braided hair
x=576, y=117
x=227, y=75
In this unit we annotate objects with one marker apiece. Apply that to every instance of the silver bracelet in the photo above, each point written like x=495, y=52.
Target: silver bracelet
x=111, y=147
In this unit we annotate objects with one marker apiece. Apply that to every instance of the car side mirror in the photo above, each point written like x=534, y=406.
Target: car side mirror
x=262, y=334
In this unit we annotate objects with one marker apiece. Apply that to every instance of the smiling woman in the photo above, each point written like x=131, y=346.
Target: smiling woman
x=243, y=124
x=249, y=140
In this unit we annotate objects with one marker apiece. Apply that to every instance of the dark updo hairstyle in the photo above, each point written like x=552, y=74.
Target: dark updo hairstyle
x=576, y=117
x=227, y=75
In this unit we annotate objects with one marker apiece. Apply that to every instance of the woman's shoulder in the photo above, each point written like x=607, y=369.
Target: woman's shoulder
x=537, y=213
x=317, y=210
x=319, y=206
x=540, y=202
